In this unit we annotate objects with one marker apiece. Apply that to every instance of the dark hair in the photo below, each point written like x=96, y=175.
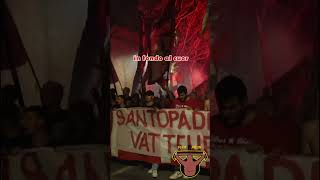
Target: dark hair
x=182, y=89
x=149, y=93
x=113, y=93
x=231, y=86
x=126, y=88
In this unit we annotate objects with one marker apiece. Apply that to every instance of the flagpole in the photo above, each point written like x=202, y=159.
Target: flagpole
x=113, y=80
x=14, y=74
x=34, y=74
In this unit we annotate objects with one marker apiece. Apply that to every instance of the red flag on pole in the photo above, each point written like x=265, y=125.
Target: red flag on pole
x=12, y=51
x=91, y=52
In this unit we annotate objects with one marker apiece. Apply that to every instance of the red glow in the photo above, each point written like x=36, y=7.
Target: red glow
x=191, y=43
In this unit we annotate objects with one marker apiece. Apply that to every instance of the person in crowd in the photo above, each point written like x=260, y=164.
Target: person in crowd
x=135, y=100
x=51, y=97
x=184, y=101
x=126, y=94
x=165, y=101
x=113, y=94
x=120, y=102
x=35, y=127
x=237, y=126
x=265, y=106
x=149, y=100
x=82, y=125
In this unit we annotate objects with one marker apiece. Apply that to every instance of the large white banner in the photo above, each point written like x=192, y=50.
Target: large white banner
x=158, y=133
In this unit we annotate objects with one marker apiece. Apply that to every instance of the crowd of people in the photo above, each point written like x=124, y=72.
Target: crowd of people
x=47, y=124
x=165, y=100
x=235, y=123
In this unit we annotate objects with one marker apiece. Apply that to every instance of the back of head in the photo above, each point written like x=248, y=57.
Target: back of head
x=126, y=91
x=149, y=93
x=230, y=87
x=182, y=89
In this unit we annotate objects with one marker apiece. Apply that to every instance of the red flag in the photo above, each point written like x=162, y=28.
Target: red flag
x=156, y=35
x=287, y=43
x=12, y=51
x=91, y=51
x=286, y=35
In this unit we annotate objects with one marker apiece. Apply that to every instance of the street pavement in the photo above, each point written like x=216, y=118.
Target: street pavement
x=124, y=170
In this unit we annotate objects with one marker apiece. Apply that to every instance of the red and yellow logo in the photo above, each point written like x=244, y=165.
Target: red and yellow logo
x=190, y=159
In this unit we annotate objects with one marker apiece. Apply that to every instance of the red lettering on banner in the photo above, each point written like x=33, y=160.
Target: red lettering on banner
x=234, y=169
x=135, y=141
x=67, y=166
x=144, y=142
x=198, y=140
x=169, y=141
x=271, y=163
x=121, y=118
x=90, y=173
x=189, y=140
x=31, y=167
x=173, y=116
x=215, y=170
x=194, y=120
x=142, y=120
x=154, y=140
x=315, y=171
x=183, y=121
x=152, y=118
x=131, y=118
x=160, y=119
x=179, y=141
